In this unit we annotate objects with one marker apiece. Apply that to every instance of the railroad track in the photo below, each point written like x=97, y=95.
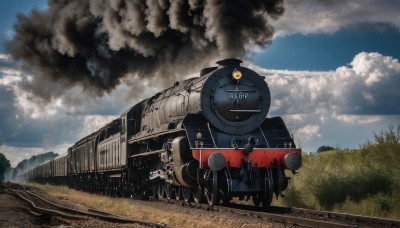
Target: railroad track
x=44, y=208
x=348, y=218
x=287, y=216
x=297, y=216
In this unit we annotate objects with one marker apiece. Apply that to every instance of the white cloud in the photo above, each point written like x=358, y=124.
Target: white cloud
x=93, y=123
x=337, y=108
x=374, y=67
x=367, y=86
x=357, y=119
x=321, y=16
x=308, y=132
x=9, y=80
x=5, y=57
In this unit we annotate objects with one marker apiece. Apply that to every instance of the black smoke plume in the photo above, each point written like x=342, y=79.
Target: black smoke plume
x=96, y=43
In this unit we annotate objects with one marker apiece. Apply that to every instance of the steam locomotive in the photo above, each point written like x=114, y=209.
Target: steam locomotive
x=204, y=139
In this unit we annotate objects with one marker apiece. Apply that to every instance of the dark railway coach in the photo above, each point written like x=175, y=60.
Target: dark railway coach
x=204, y=138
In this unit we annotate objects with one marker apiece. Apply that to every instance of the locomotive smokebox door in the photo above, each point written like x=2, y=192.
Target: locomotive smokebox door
x=235, y=99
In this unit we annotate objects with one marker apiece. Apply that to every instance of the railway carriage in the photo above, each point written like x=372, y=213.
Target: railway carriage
x=81, y=162
x=60, y=170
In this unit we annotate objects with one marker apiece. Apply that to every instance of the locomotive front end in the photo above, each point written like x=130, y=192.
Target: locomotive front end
x=240, y=152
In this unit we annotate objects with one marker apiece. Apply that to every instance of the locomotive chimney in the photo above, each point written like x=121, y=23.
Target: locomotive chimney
x=230, y=62
x=222, y=63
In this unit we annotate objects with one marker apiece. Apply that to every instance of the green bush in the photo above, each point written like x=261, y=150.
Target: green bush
x=364, y=181
x=324, y=148
x=335, y=188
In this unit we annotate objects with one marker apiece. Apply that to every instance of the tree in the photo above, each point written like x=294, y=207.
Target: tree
x=324, y=148
x=4, y=164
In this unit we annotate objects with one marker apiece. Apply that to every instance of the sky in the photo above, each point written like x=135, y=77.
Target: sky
x=332, y=67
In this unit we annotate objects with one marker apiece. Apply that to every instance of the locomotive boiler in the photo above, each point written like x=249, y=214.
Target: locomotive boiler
x=206, y=138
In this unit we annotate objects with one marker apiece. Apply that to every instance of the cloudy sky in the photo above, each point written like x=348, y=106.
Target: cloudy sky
x=332, y=67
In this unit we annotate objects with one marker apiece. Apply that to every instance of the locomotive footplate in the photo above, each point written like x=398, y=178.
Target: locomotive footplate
x=259, y=157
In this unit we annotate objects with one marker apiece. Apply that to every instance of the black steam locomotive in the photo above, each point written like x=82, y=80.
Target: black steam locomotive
x=205, y=138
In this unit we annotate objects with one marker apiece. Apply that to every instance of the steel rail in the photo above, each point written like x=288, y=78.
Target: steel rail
x=103, y=215
x=369, y=220
x=292, y=215
x=44, y=210
x=278, y=218
x=285, y=219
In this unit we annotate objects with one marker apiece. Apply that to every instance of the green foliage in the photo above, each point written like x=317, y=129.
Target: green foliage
x=324, y=148
x=335, y=188
x=365, y=181
x=385, y=152
x=4, y=164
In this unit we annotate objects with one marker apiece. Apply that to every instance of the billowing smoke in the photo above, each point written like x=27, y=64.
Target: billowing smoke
x=96, y=43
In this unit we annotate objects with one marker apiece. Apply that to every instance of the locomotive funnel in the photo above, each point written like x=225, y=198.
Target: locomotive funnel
x=230, y=62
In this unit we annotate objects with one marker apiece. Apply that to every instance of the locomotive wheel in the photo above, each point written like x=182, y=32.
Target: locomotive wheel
x=226, y=200
x=198, y=194
x=144, y=194
x=256, y=199
x=160, y=191
x=125, y=191
x=211, y=191
x=178, y=193
x=267, y=199
x=187, y=194
x=106, y=191
x=169, y=191
x=118, y=189
x=154, y=190
x=113, y=189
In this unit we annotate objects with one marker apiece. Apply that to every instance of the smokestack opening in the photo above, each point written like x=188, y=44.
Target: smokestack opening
x=230, y=62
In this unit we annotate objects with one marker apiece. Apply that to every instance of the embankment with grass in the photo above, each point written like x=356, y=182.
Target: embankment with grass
x=363, y=181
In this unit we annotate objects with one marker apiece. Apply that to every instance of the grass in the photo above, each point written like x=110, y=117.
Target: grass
x=172, y=215
x=364, y=181
x=120, y=206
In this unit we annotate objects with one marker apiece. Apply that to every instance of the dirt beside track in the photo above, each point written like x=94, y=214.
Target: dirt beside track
x=14, y=213
x=160, y=212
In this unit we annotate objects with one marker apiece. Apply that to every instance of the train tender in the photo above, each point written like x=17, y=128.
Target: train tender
x=205, y=138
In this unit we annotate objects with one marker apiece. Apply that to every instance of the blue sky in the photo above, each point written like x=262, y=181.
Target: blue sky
x=332, y=68
x=8, y=11
x=329, y=51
